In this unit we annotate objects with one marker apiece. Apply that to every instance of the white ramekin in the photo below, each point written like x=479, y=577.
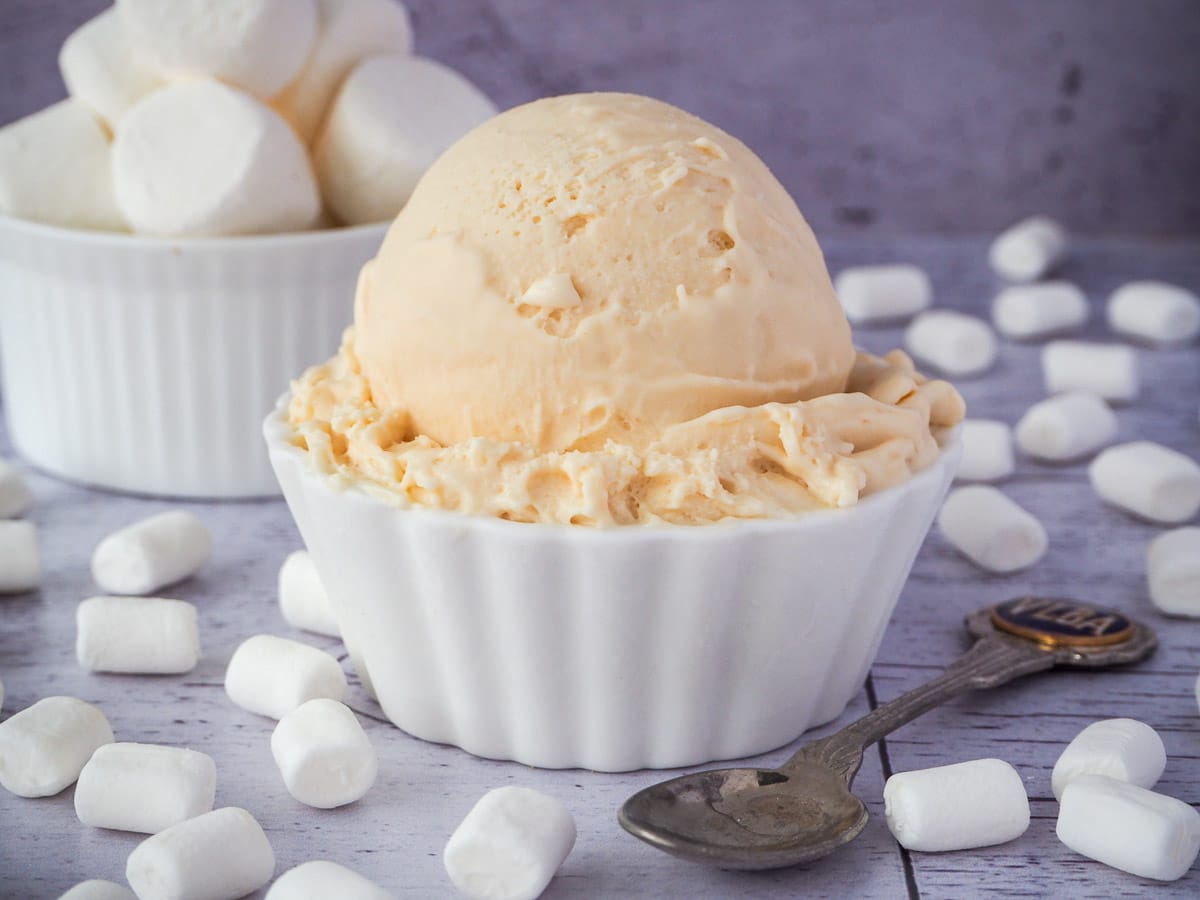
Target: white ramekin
x=147, y=364
x=613, y=649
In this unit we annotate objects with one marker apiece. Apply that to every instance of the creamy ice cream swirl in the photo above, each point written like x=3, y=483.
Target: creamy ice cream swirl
x=766, y=461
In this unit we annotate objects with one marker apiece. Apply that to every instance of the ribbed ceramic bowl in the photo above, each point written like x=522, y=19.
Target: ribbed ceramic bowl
x=614, y=649
x=147, y=364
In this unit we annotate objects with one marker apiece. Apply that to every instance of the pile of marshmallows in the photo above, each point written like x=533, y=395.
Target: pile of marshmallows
x=510, y=844
x=1153, y=482
x=194, y=118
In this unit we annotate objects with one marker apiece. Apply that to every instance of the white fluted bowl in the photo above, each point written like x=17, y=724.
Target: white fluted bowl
x=147, y=364
x=612, y=649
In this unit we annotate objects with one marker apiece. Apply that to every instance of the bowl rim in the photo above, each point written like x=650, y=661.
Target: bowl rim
x=127, y=241
x=276, y=431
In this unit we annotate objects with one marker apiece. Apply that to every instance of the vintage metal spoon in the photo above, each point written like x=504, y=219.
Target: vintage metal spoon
x=803, y=810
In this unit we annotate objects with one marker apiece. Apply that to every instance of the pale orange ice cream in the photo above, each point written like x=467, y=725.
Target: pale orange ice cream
x=598, y=309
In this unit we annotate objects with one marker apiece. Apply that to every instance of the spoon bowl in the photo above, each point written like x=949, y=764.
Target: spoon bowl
x=748, y=818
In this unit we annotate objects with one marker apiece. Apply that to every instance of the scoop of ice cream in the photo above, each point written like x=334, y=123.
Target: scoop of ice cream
x=600, y=310
x=595, y=268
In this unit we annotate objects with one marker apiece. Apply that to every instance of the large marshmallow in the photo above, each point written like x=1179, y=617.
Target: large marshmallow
x=20, y=563
x=1128, y=827
x=1109, y=370
x=987, y=450
x=55, y=167
x=969, y=804
x=220, y=855
x=103, y=71
x=1125, y=749
x=1066, y=426
x=1149, y=480
x=151, y=553
x=1036, y=310
x=200, y=159
x=257, y=45
x=1029, y=249
x=394, y=116
x=323, y=754
x=95, y=889
x=883, y=293
x=44, y=747
x=953, y=342
x=510, y=845
x=1173, y=572
x=272, y=676
x=1154, y=311
x=991, y=530
x=323, y=880
x=302, y=597
x=348, y=31
x=143, y=635
x=144, y=787
x=15, y=497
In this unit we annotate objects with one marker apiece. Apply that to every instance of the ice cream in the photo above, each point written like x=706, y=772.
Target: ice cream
x=598, y=309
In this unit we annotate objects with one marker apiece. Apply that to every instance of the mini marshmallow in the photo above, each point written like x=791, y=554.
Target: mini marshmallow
x=1108, y=370
x=220, y=855
x=20, y=562
x=1128, y=827
x=152, y=553
x=272, y=676
x=883, y=293
x=302, y=597
x=392, y=118
x=1029, y=249
x=1066, y=426
x=98, y=890
x=348, y=31
x=1154, y=311
x=257, y=45
x=510, y=845
x=144, y=787
x=103, y=71
x=1173, y=572
x=55, y=168
x=320, y=880
x=143, y=635
x=955, y=343
x=15, y=498
x=987, y=450
x=1149, y=480
x=969, y=804
x=991, y=530
x=323, y=754
x=44, y=747
x=1036, y=310
x=200, y=159
x=1124, y=749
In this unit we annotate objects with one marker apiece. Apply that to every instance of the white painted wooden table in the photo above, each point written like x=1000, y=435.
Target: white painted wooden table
x=395, y=835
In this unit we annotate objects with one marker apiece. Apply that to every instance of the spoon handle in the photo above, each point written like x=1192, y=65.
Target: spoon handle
x=993, y=660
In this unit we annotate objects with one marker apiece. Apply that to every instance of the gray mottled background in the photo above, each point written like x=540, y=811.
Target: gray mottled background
x=879, y=115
